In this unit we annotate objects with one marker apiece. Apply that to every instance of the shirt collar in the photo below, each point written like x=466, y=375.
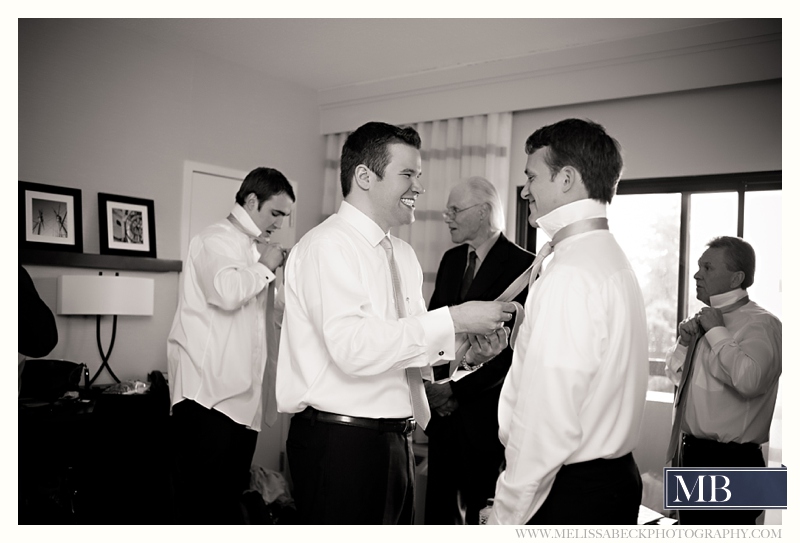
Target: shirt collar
x=569, y=213
x=245, y=220
x=363, y=224
x=727, y=298
x=486, y=246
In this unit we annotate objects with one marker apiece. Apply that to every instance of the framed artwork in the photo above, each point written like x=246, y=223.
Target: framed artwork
x=50, y=218
x=127, y=225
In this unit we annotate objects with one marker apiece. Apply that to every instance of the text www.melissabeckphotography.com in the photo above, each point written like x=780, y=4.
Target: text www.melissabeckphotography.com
x=648, y=533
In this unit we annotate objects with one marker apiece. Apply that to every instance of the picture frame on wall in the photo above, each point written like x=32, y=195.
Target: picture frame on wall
x=127, y=225
x=50, y=218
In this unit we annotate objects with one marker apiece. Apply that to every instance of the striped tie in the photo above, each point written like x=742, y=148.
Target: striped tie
x=419, y=402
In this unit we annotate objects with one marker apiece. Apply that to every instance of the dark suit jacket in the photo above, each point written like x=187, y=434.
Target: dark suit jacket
x=478, y=394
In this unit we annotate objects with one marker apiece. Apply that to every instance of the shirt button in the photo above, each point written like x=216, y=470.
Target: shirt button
x=441, y=353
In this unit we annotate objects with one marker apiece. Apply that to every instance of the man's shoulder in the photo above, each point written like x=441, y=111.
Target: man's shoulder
x=756, y=312
x=506, y=249
x=332, y=230
x=219, y=228
x=514, y=250
x=458, y=250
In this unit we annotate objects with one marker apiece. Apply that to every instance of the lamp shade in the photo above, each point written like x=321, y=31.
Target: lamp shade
x=104, y=295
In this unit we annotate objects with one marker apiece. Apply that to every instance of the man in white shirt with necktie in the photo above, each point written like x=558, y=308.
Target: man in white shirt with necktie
x=217, y=351
x=356, y=338
x=573, y=400
x=727, y=392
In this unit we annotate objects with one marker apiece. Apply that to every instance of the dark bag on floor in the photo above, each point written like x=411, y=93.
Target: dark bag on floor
x=49, y=379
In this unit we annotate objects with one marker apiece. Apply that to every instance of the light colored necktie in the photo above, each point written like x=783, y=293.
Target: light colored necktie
x=419, y=401
x=675, y=441
x=268, y=388
x=527, y=277
x=268, y=400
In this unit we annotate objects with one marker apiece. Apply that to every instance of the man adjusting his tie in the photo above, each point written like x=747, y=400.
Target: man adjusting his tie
x=726, y=364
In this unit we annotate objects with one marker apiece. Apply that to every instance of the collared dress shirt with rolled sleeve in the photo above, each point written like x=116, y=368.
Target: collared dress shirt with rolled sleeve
x=734, y=382
x=217, y=347
x=578, y=380
x=342, y=348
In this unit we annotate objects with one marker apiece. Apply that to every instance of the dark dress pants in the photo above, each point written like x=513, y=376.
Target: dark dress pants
x=703, y=453
x=211, y=465
x=594, y=492
x=350, y=475
x=462, y=474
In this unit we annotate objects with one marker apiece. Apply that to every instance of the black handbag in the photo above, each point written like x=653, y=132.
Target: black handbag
x=45, y=379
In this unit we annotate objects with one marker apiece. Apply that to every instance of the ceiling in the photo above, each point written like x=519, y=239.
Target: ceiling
x=324, y=54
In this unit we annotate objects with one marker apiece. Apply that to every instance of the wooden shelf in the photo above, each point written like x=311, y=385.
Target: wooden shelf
x=103, y=262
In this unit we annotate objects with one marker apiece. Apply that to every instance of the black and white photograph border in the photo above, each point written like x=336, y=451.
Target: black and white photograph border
x=127, y=225
x=50, y=217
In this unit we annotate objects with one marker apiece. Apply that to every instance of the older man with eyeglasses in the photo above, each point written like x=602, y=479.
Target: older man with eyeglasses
x=464, y=452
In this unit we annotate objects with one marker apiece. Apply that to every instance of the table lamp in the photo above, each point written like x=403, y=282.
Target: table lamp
x=105, y=295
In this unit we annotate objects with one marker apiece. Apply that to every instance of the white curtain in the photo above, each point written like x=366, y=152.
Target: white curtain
x=452, y=150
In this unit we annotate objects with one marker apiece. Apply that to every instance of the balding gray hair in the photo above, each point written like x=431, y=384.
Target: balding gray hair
x=485, y=193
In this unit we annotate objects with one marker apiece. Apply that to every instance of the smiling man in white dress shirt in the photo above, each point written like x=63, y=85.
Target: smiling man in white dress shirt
x=356, y=337
x=573, y=400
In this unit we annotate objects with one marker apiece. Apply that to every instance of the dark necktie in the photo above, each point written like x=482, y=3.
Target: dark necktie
x=469, y=275
x=674, y=449
x=419, y=401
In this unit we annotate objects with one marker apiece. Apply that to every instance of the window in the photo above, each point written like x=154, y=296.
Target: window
x=663, y=226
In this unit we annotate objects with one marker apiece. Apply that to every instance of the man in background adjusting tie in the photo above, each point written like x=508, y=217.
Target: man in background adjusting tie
x=727, y=389
x=217, y=351
x=573, y=400
x=356, y=337
x=464, y=452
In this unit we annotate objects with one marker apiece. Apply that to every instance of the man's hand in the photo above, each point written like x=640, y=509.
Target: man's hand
x=438, y=393
x=484, y=348
x=710, y=317
x=272, y=254
x=688, y=328
x=481, y=318
x=447, y=409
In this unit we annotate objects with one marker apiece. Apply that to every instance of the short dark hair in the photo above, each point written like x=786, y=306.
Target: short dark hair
x=585, y=146
x=264, y=183
x=739, y=256
x=369, y=145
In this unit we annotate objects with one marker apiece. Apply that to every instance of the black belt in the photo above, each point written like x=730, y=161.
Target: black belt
x=400, y=426
x=599, y=464
x=691, y=441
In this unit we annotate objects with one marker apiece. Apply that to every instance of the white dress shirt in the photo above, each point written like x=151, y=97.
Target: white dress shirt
x=735, y=378
x=217, y=347
x=577, y=384
x=343, y=349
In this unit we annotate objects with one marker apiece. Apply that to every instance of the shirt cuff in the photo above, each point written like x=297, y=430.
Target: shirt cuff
x=262, y=271
x=717, y=335
x=439, y=333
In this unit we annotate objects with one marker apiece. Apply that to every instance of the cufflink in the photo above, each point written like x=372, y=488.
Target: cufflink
x=441, y=353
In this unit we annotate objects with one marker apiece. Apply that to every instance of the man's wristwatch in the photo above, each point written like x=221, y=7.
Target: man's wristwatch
x=464, y=365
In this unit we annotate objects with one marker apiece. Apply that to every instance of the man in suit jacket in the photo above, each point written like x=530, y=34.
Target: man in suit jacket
x=464, y=452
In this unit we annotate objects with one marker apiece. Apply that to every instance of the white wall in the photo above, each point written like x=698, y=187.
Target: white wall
x=104, y=109
x=718, y=54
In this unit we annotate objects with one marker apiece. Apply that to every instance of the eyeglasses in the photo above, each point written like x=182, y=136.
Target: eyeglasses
x=451, y=212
